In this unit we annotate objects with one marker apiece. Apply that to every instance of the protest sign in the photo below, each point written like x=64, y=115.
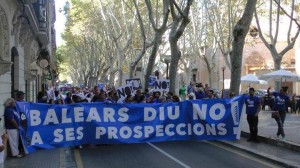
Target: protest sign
x=152, y=80
x=136, y=83
x=162, y=86
x=101, y=86
x=124, y=91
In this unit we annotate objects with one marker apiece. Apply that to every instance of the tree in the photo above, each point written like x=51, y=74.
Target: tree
x=86, y=60
x=271, y=38
x=239, y=34
x=180, y=21
x=144, y=46
x=159, y=30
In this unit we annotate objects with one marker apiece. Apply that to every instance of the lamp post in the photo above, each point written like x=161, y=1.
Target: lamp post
x=34, y=74
x=223, y=70
x=167, y=59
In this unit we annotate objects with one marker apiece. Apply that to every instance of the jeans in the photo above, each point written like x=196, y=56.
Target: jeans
x=253, y=122
x=280, y=122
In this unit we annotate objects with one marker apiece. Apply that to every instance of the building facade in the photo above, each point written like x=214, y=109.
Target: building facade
x=27, y=48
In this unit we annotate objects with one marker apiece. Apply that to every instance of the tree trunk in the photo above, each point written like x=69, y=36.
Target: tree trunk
x=277, y=62
x=112, y=78
x=178, y=26
x=239, y=33
x=152, y=57
x=176, y=54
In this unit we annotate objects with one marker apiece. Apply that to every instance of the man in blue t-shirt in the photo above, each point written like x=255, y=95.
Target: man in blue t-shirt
x=281, y=99
x=253, y=107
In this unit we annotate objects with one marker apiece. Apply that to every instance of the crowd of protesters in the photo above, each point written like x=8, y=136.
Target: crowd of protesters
x=70, y=95
x=109, y=95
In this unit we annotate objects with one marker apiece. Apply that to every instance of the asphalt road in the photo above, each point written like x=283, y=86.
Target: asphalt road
x=167, y=155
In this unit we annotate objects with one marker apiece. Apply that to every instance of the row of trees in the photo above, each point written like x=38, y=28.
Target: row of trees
x=105, y=38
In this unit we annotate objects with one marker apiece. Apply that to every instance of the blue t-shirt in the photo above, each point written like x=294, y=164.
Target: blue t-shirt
x=200, y=95
x=280, y=101
x=252, y=104
x=11, y=113
x=157, y=101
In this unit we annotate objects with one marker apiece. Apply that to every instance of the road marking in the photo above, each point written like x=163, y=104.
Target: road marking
x=78, y=159
x=168, y=155
x=249, y=156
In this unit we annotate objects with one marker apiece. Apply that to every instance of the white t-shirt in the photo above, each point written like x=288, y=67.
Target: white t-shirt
x=1, y=153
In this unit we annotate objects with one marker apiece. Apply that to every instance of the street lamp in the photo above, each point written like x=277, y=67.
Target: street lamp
x=223, y=70
x=167, y=59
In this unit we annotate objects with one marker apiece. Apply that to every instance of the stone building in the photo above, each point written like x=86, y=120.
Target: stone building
x=27, y=48
x=257, y=60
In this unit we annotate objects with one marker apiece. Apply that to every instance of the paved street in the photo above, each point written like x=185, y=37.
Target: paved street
x=179, y=154
x=147, y=155
x=169, y=154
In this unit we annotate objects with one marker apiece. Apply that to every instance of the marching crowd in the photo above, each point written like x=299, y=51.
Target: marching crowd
x=13, y=119
x=109, y=95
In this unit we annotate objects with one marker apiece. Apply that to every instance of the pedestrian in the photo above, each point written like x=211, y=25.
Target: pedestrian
x=109, y=98
x=281, y=99
x=175, y=98
x=210, y=94
x=232, y=94
x=142, y=99
x=156, y=97
x=12, y=125
x=3, y=142
x=68, y=99
x=191, y=91
x=182, y=92
x=51, y=101
x=253, y=106
x=20, y=96
x=59, y=101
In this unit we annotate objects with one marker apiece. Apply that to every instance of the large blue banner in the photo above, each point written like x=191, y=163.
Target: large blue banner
x=51, y=126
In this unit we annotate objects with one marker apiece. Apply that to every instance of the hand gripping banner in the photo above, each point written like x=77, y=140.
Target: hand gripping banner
x=52, y=126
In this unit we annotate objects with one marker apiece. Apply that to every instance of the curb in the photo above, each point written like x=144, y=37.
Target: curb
x=285, y=144
x=268, y=157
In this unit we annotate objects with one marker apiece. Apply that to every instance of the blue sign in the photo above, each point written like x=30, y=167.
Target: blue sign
x=52, y=126
x=136, y=83
x=100, y=86
x=152, y=80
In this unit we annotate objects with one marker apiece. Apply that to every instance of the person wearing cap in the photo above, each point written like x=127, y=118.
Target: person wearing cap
x=20, y=96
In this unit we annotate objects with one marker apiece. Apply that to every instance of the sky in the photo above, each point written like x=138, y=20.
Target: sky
x=60, y=21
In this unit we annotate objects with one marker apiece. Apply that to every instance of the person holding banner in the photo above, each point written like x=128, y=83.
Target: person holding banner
x=156, y=98
x=109, y=98
x=142, y=99
x=12, y=125
x=253, y=106
x=138, y=93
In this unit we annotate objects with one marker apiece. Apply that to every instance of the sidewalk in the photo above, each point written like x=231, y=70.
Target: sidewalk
x=267, y=126
x=285, y=153
x=53, y=158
